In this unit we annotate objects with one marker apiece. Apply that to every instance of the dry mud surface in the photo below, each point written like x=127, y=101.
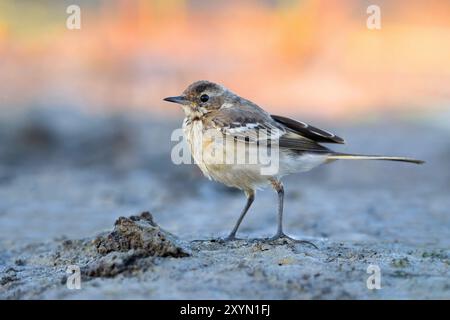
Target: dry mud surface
x=102, y=194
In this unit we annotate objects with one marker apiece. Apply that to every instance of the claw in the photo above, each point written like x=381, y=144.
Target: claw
x=286, y=238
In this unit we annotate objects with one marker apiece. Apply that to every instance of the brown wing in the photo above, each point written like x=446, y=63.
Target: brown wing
x=307, y=131
x=246, y=125
x=250, y=125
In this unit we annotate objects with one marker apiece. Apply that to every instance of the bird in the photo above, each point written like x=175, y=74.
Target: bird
x=212, y=108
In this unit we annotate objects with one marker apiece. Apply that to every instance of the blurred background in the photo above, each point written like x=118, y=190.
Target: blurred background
x=85, y=135
x=312, y=57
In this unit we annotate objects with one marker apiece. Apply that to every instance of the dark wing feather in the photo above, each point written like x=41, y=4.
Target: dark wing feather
x=308, y=131
x=245, y=119
x=301, y=144
x=242, y=125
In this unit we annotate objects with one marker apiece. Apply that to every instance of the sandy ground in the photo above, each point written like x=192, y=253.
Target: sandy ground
x=65, y=178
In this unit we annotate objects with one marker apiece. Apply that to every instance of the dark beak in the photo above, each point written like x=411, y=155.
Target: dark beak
x=178, y=99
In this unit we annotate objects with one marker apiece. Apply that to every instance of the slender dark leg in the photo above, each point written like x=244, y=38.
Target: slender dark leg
x=250, y=198
x=278, y=186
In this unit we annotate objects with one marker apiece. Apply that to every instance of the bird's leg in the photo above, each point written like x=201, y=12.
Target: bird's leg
x=278, y=186
x=250, y=198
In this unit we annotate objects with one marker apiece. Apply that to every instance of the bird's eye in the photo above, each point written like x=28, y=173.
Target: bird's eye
x=204, y=98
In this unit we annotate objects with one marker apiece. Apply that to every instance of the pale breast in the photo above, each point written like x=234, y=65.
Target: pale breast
x=193, y=131
x=213, y=158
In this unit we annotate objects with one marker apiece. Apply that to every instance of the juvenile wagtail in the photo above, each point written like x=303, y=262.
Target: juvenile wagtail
x=211, y=107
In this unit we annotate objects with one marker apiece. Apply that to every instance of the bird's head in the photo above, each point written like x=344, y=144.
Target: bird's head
x=202, y=97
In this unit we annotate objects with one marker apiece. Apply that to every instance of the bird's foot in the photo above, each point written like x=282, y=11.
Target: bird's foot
x=282, y=238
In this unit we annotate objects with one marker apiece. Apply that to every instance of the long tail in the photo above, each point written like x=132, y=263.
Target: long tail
x=345, y=156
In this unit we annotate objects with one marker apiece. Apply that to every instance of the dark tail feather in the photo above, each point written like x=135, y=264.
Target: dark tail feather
x=344, y=156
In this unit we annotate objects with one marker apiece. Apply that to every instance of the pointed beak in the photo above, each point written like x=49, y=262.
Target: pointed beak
x=178, y=99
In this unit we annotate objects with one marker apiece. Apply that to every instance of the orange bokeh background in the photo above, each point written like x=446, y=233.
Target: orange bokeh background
x=316, y=58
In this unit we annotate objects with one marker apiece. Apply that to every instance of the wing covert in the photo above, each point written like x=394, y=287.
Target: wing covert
x=308, y=131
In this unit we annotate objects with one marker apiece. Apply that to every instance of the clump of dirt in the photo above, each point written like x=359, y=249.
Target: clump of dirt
x=132, y=246
x=9, y=275
x=142, y=235
x=116, y=263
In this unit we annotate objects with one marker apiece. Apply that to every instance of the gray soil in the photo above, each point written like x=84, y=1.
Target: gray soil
x=101, y=193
